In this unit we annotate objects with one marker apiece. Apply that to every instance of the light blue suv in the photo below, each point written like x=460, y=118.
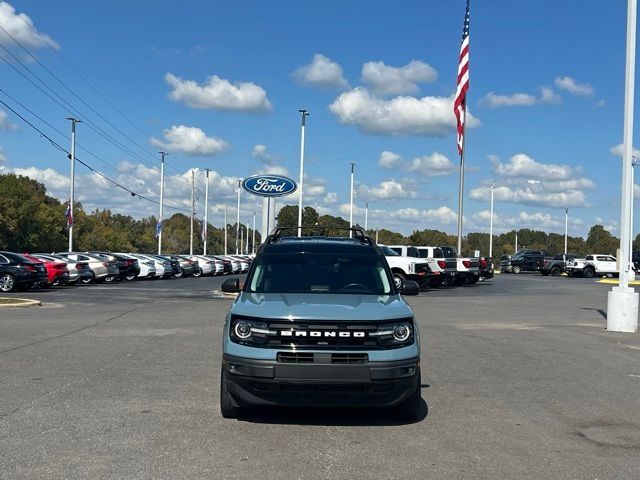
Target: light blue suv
x=319, y=322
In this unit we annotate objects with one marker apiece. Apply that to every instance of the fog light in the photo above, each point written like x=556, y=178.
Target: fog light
x=401, y=332
x=242, y=329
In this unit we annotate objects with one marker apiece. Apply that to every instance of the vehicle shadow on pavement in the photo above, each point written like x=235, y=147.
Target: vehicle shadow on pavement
x=601, y=312
x=336, y=417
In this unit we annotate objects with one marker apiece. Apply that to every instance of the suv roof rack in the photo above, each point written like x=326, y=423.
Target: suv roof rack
x=358, y=233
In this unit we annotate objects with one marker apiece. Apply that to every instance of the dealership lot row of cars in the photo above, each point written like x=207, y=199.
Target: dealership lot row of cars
x=44, y=270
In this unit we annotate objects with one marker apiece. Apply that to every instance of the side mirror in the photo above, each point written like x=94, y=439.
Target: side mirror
x=410, y=288
x=231, y=285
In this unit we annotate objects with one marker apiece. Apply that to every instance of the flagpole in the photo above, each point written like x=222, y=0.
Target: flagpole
x=70, y=218
x=461, y=187
x=160, y=220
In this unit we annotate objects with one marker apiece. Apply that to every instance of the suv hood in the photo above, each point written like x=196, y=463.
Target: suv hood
x=319, y=306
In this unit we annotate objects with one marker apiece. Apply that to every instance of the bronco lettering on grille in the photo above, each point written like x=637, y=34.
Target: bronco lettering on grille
x=317, y=333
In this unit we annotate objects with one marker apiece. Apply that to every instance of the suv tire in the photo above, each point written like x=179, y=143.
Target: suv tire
x=555, y=271
x=409, y=409
x=588, y=272
x=197, y=272
x=227, y=408
x=7, y=283
x=398, y=279
x=516, y=269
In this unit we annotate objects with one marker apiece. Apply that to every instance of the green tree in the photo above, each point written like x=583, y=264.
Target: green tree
x=600, y=240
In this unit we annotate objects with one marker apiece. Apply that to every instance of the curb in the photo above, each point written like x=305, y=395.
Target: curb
x=221, y=295
x=24, y=302
x=614, y=281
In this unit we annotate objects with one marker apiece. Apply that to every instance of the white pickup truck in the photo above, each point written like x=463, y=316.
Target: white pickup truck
x=448, y=264
x=596, y=264
x=437, y=274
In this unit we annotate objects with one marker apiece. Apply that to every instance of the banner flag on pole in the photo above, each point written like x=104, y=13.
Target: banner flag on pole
x=460, y=101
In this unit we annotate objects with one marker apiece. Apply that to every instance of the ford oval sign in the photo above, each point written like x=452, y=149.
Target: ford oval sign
x=269, y=185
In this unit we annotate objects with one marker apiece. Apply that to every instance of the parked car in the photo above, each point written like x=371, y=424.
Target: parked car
x=218, y=264
x=100, y=269
x=447, y=264
x=20, y=273
x=486, y=268
x=405, y=268
x=186, y=266
x=236, y=267
x=555, y=265
x=171, y=267
x=593, y=265
x=204, y=265
x=226, y=264
x=128, y=268
x=146, y=267
x=244, y=263
x=158, y=265
x=77, y=270
x=523, y=261
x=57, y=271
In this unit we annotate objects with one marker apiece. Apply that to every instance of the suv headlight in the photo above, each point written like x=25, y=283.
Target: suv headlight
x=247, y=331
x=397, y=334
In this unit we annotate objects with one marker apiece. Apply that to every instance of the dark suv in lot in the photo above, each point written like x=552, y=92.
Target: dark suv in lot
x=320, y=322
x=523, y=261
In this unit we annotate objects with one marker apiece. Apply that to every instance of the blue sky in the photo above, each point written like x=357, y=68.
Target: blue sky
x=219, y=85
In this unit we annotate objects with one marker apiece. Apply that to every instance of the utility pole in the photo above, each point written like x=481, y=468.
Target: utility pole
x=241, y=240
x=72, y=191
x=205, y=226
x=566, y=232
x=159, y=226
x=304, y=113
x=377, y=235
x=516, y=246
x=622, y=301
x=253, y=235
x=238, y=220
x=493, y=187
x=366, y=216
x=247, y=240
x=351, y=202
x=224, y=210
x=193, y=210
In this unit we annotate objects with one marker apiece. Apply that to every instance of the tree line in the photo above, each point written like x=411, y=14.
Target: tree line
x=32, y=221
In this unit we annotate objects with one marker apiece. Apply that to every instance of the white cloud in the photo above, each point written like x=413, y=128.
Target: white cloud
x=530, y=195
x=387, y=80
x=3, y=157
x=190, y=141
x=389, y=189
x=441, y=216
x=330, y=198
x=430, y=116
x=261, y=154
x=273, y=170
x=523, y=166
x=389, y=160
x=535, y=220
x=570, y=85
x=219, y=94
x=21, y=27
x=433, y=165
x=617, y=151
x=6, y=123
x=322, y=73
x=547, y=96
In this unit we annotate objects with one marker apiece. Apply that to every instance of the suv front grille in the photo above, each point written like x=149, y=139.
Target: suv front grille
x=295, y=357
x=345, y=358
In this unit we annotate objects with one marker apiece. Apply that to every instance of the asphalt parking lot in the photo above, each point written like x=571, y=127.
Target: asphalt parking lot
x=121, y=381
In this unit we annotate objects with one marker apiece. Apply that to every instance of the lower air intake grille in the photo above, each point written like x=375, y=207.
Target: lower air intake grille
x=293, y=357
x=344, y=358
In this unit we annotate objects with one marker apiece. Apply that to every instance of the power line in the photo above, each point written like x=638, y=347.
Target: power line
x=92, y=169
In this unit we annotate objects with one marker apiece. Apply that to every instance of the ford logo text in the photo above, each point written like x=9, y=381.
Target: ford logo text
x=269, y=185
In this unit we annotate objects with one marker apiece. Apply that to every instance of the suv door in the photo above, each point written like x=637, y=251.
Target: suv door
x=606, y=264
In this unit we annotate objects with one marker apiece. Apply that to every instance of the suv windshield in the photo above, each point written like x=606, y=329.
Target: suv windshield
x=319, y=273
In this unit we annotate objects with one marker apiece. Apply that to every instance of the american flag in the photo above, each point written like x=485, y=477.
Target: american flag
x=68, y=215
x=158, y=228
x=460, y=102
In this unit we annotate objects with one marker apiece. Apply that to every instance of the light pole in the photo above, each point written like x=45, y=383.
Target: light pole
x=376, y=235
x=516, y=246
x=253, y=235
x=193, y=210
x=622, y=301
x=493, y=187
x=206, y=212
x=566, y=232
x=366, y=216
x=224, y=211
x=632, y=272
x=247, y=240
x=238, y=220
x=160, y=220
x=72, y=190
x=304, y=113
x=351, y=202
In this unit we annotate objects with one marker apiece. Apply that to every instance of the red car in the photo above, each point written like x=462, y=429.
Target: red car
x=57, y=271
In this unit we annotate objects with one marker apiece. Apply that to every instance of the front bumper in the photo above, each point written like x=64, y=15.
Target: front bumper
x=369, y=384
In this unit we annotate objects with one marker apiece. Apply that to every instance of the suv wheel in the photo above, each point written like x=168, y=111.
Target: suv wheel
x=398, y=279
x=409, y=408
x=7, y=283
x=227, y=408
x=515, y=269
x=588, y=272
x=555, y=271
x=90, y=279
x=180, y=272
x=130, y=277
x=109, y=279
x=198, y=272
